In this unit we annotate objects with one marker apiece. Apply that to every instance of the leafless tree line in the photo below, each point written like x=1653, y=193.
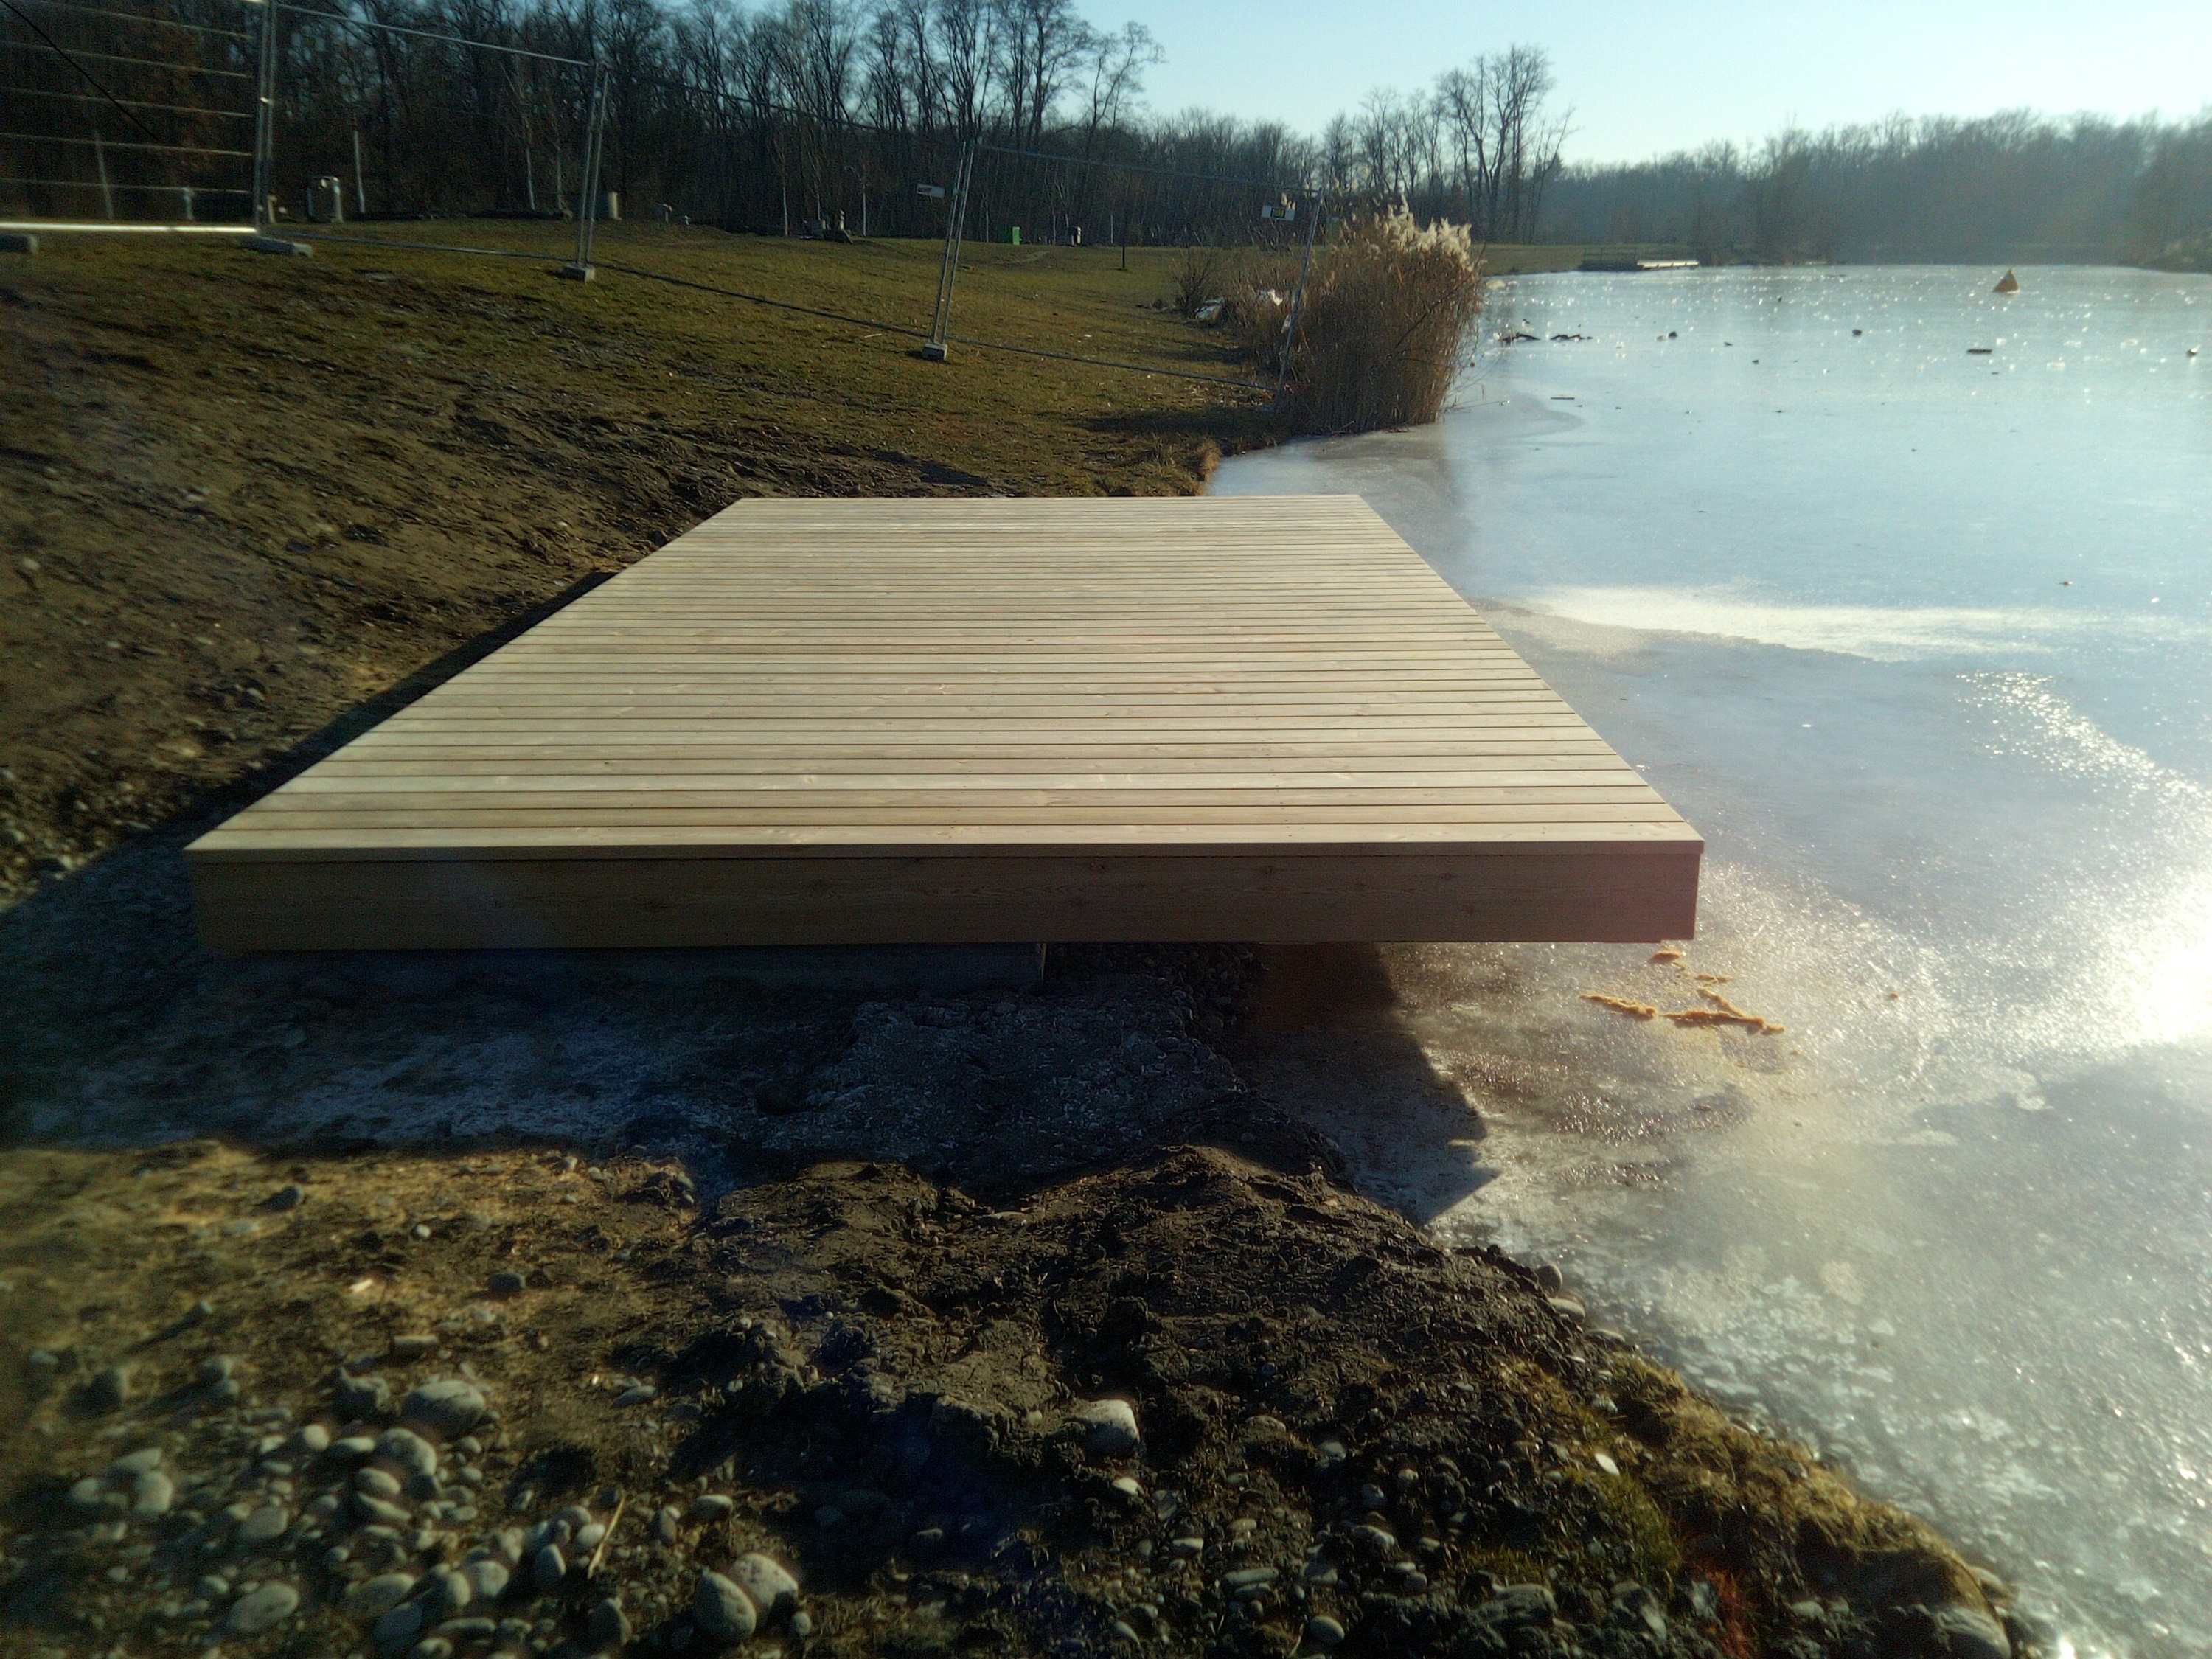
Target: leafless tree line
x=2013, y=186
x=759, y=118
x=791, y=111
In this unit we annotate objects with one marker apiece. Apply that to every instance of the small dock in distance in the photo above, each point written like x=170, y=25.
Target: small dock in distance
x=955, y=721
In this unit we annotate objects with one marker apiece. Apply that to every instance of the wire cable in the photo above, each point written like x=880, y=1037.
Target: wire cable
x=116, y=144
x=135, y=103
x=78, y=67
x=112, y=57
x=421, y=35
x=151, y=23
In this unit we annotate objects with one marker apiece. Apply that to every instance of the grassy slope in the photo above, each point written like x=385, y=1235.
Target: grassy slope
x=240, y=495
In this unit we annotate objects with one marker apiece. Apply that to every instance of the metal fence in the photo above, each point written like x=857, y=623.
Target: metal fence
x=115, y=116
x=290, y=123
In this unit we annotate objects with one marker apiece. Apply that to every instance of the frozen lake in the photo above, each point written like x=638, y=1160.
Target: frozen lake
x=1902, y=592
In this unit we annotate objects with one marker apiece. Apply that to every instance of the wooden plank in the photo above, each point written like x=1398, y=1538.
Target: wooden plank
x=853, y=721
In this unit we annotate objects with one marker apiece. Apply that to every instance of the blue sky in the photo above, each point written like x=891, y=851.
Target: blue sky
x=1645, y=77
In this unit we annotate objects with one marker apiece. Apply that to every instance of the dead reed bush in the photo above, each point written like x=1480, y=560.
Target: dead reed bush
x=1201, y=274
x=1390, y=311
x=1259, y=298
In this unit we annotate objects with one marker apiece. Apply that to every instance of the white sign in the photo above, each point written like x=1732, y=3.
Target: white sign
x=935, y=192
x=1285, y=212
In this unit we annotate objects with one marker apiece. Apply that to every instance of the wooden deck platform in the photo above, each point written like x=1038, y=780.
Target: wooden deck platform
x=821, y=722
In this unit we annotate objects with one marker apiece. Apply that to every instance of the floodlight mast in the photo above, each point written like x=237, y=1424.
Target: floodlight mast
x=1298, y=303
x=934, y=348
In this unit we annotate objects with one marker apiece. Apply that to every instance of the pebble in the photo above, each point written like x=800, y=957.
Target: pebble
x=1248, y=1578
x=398, y=1628
x=768, y=1581
x=609, y=1625
x=313, y=1440
x=1323, y=1631
x=451, y=1407
x=1605, y=1463
x=1373, y=1539
x=353, y=1449
x=431, y=1647
x=212, y=1586
x=715, y=1506
x=447, y=1593
x=469, y=1630
x=1111, y=1425
x=264, y=1526
x=1637, y=1602
x=587, y=1537
x=380, y=1511
x=643, y=1394
x=506, y=1282
x=1521, y=1604
x=1972, y=1635
x=549, y=1567
x=668, y=1525
x=262, y=1609
x=111, y=1390
x=414, y=1345
x=287, y=1197
x=1126, y=1630
x=409, y=1450
x=1130, y=1487
x=143, y=1462
x=377, y=1483
x=87, y=1493
x=487, y=1578
x=1187, y=1546
x=720, y=1609
x=575, y=1518
x=364, y=1396
x=802, y=1624
x=372, y=1598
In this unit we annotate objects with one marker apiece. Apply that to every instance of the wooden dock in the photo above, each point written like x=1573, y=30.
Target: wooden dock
x=825, y=722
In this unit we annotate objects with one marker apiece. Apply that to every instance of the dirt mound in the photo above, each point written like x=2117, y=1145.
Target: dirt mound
x=1205, y=1402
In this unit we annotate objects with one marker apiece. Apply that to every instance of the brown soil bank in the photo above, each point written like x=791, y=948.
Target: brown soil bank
x=1329, y=1433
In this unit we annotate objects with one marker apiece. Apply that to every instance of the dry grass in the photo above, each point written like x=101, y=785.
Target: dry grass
x=1389, y=312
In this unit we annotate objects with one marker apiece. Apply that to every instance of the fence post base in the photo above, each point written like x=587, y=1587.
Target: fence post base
x=279, y=245
x=573, y=272
x=935, y=350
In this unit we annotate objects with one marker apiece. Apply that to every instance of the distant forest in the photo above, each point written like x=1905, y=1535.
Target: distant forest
x=806, y=110
x=2011, y=187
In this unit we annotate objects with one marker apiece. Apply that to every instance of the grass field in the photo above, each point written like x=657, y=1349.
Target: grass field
x=239, y=495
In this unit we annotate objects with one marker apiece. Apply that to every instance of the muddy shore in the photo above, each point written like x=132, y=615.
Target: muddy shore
x=835, y=1278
